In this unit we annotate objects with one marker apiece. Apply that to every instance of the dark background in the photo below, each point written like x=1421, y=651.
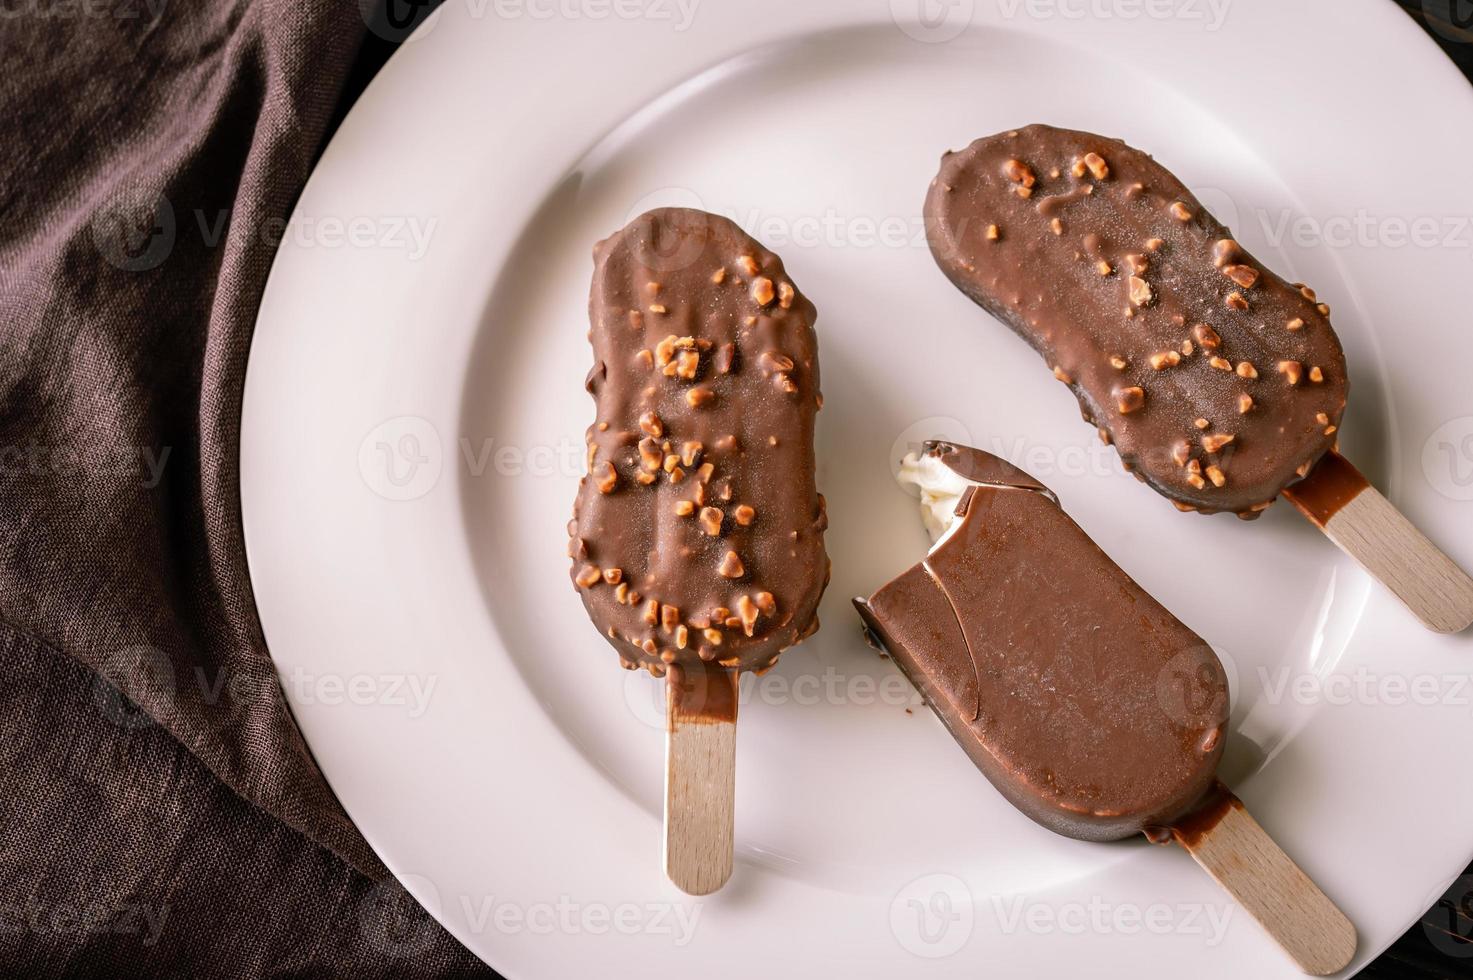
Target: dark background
x=1436, y=947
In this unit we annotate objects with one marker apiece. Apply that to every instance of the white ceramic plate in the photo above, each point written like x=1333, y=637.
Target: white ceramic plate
x=413, y=436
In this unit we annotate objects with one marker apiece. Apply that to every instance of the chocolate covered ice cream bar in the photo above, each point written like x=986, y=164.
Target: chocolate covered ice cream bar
x=1086, y=703
x=1219, y=383
x=697, y=535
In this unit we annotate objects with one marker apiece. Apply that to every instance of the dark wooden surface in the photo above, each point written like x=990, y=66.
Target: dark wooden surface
x=1440, y=946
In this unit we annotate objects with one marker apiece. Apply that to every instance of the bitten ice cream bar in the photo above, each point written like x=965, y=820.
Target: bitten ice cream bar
x=1088, y=705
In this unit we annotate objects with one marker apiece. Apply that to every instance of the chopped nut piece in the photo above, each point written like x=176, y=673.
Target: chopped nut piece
x=1330, y=430
x=731, y=566
x=1104, y=268
x=650, y=455
x=1129, y=400
x=1097, y=166
x=621, y=593
x=1079, y=169
x=1117, y=362
x=669, y=618
x=682, y=637
x=1181, y=452
x=1215, y=474
x=744, y=515
x=1137, y=263
x=765, y=602
x=785, y=295
x=1244, y=275
x=685, y=366
x=588, y=576
x=1062, y=375
x=651, y=612
x=1201, y=423
x=719, y=276
x=650, y=425
x=762, y=292
x=1295, y=324
x=747, y=264
x=658, y=308
x=1195, y=479
x=774, y=361
x=1206, y=336
x=605, y=477
x=1187, y=349
x=1307, y=293
x=1165, y=359
x=993, y=233
x=725, y=358
x=1291, y=370
x=1324, y=309
x=613, y=576
x=1224, y=252
x=1216, y=442
x=786, y=383
x=1247, y=370
x=1057, y=226
x=690, y=452
x=1316, y=375
x=1019, y=173
x=684, y=508
x=1154, y=244
x=671, y=461
x=704, y=473
x=1322, y=418
x=711, y=518
x=644, y=477
x=1235, y=301
x=1221, y=363
x=645, y=358
x=696, y=397
x=1140, y=291
x=1024, y=192
x=1245, y=404
x=1181, y=212
x=712, y=636
x=747, y=611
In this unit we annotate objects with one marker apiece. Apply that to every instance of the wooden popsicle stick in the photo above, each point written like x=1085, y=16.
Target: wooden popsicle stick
x=1342, y=503
x=700, y=776
x=1230, y=845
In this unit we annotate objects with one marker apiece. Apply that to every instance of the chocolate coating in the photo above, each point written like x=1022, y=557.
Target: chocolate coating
x=1142, y=303
x=1085, y=702
x=697, y=535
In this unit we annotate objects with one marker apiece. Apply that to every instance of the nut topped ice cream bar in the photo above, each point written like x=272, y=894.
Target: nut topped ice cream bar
x=1219, y=383
x=697, y=535
x=1085, y=702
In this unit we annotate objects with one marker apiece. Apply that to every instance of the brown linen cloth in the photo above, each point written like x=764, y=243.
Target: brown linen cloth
x=151, y=150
